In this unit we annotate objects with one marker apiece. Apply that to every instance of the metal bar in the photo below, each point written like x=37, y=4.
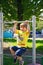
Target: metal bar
x=1, y=53
x=13, y=22
x=34, y=37
x=1, y=38
x=22, y=56
x=34, y=40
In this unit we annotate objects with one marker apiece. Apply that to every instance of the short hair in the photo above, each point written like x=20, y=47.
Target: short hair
x=22, y=24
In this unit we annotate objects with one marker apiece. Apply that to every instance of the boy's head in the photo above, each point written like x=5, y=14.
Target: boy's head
x=23, y=27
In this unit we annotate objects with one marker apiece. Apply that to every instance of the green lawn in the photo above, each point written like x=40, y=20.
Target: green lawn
x=9, y=60
x=29, y=44
x=12, y=42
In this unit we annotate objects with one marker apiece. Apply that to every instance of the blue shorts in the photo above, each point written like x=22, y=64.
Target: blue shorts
x=18, y=51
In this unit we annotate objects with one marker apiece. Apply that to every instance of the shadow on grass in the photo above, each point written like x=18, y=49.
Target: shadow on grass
x=9, y=61
x=39, y=49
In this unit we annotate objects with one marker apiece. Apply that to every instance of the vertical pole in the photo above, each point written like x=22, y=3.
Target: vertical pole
x=34, y=41
x=1, y=38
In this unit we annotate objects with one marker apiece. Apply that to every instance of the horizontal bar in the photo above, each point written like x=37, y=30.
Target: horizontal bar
x=23, y=56
x=17, y=22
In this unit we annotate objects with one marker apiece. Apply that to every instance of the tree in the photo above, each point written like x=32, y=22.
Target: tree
x=9, y=9
x=20, y=9
x=19, y=12
x=31, y=7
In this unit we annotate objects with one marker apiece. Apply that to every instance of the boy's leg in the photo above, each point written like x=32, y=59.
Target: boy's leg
x=13, y=50
x=21, y=62
x=19, y=53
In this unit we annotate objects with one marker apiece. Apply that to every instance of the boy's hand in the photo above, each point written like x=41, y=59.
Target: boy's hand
x=15, y=26
x=15, y=22
x=26, y=22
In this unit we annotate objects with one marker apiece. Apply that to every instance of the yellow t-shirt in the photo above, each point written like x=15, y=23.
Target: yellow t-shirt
x=22, y=38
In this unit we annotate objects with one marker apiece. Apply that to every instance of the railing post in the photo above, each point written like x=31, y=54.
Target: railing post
x=34, y=40
x=1, y=38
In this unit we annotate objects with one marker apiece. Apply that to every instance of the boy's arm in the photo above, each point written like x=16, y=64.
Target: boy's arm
x=28, y=26
x=14, y=27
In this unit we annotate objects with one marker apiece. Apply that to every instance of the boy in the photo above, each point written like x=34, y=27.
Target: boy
x=22, y=37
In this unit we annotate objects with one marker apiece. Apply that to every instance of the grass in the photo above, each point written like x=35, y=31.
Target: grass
x=12, y=41
x=29, y=43
x=9, y=60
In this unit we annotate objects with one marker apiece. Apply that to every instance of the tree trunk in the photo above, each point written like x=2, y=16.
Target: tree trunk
x=19, y=11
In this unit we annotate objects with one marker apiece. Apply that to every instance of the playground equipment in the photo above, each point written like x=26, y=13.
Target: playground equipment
x=1, y=38
x=34, y=37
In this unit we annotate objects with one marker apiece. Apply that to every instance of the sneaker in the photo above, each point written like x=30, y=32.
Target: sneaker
x=21, y=62
x=15, y=59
